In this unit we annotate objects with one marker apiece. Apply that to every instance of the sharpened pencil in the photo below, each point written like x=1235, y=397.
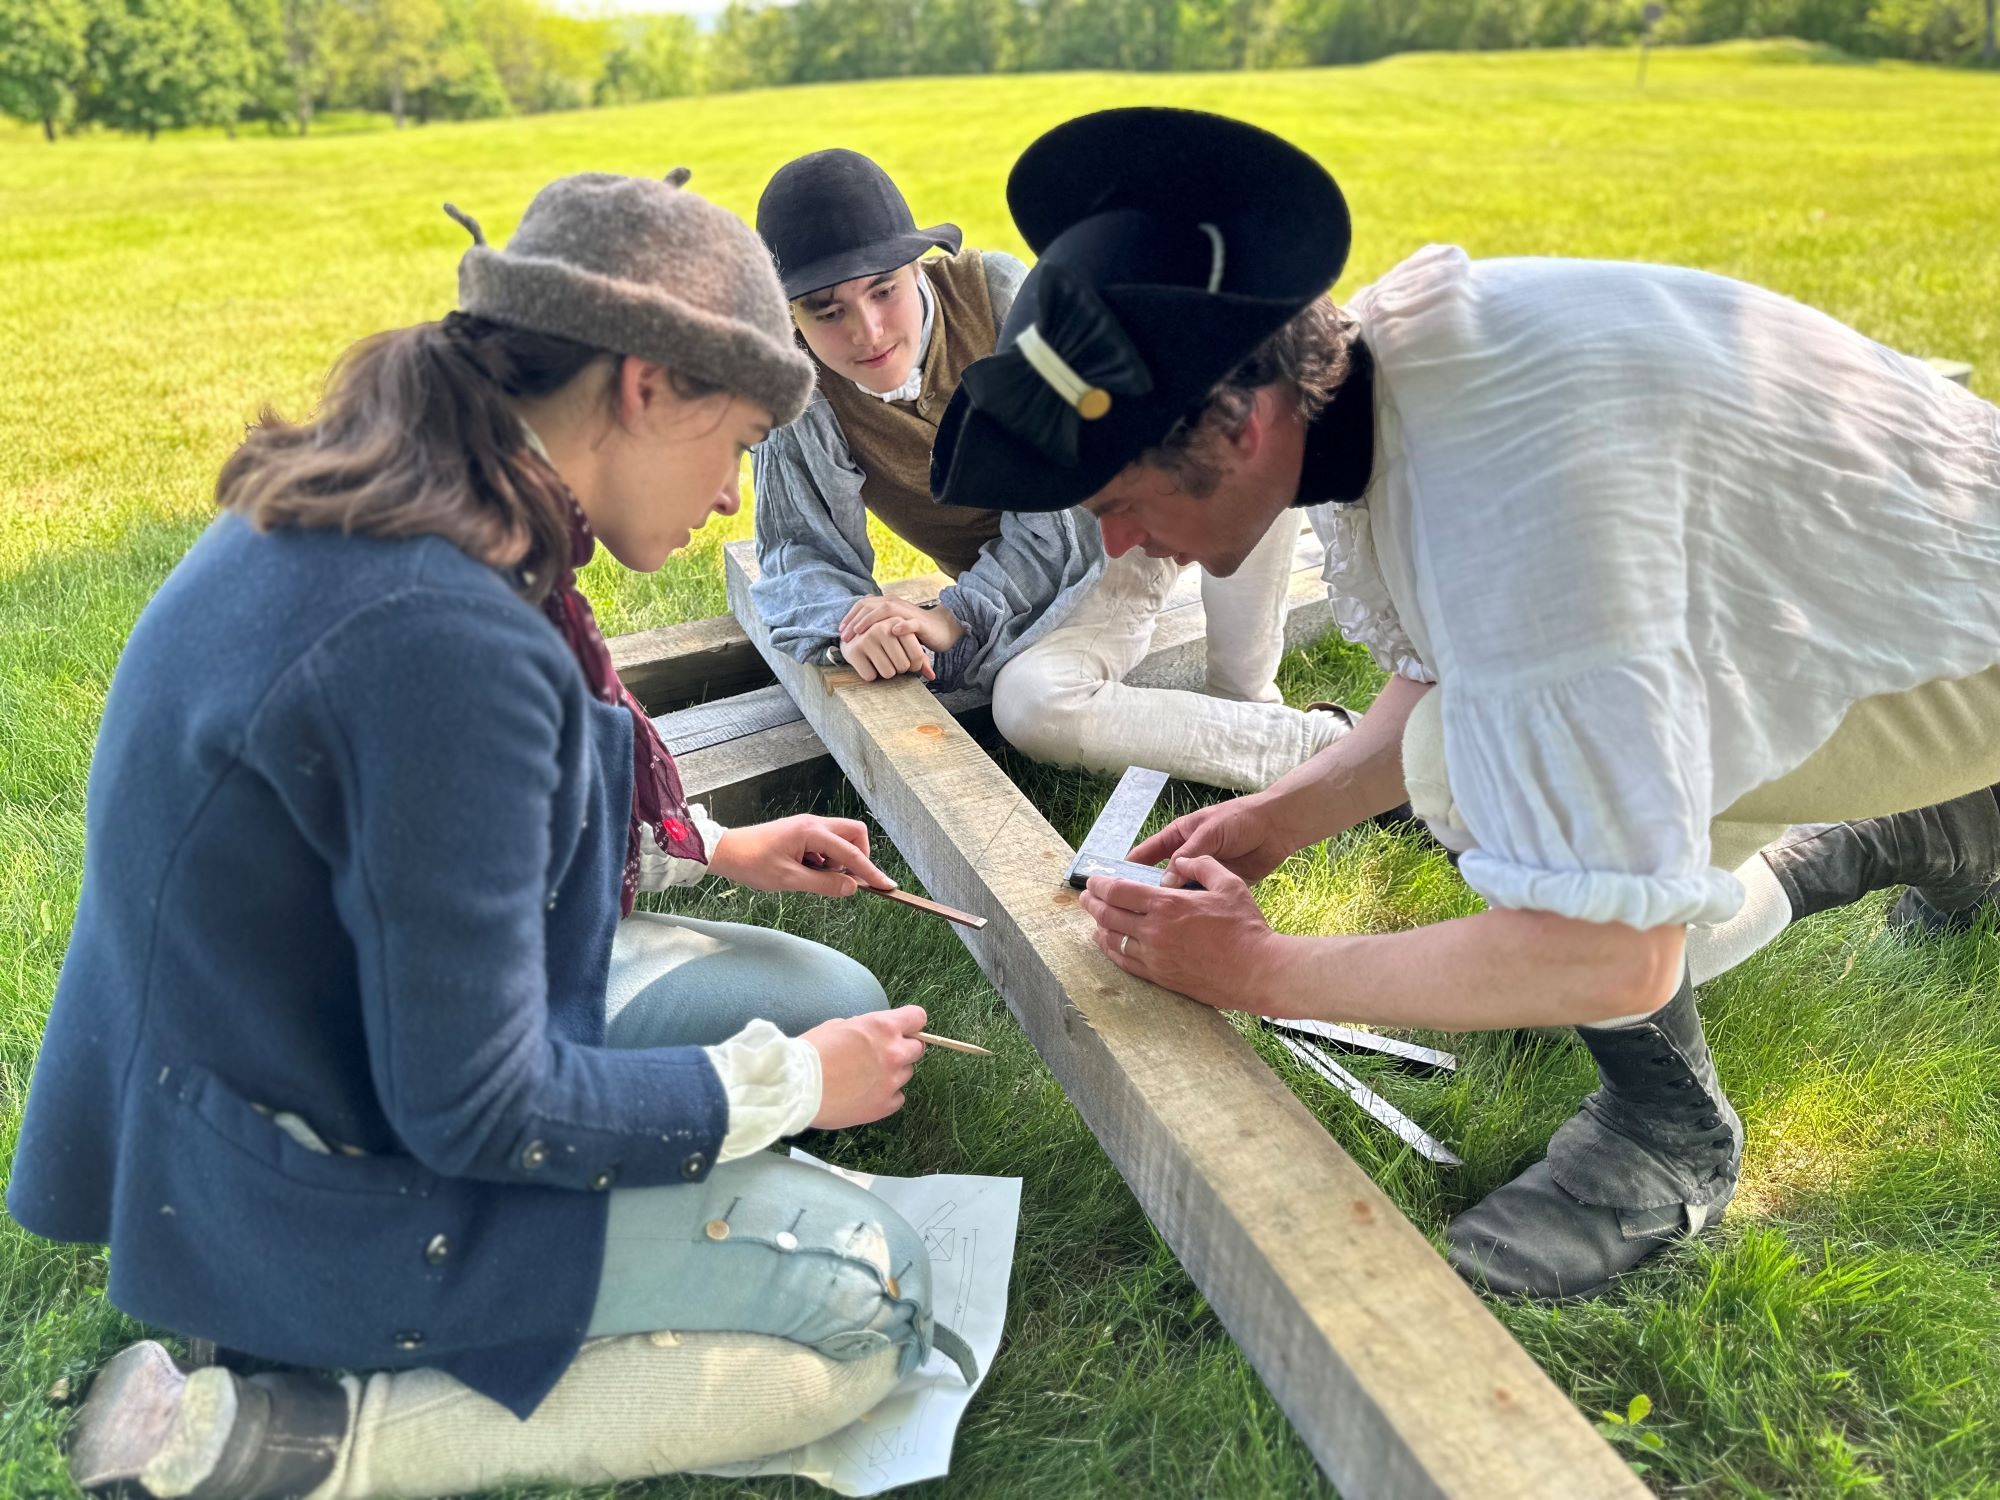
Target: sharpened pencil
x=950, y=1046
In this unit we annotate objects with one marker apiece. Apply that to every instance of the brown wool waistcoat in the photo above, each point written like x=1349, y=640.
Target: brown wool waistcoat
x=890, y=441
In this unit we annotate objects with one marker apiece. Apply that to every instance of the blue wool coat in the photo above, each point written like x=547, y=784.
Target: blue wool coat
x=354, y=835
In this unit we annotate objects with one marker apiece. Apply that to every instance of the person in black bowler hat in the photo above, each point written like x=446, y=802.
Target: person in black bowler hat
x=1034, y=613
x=1659, y=564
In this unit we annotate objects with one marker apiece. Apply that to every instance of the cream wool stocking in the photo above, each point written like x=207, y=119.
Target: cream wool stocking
x=629, y=1407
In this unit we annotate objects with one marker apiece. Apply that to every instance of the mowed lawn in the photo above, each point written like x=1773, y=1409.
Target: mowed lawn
x=1840, y=1332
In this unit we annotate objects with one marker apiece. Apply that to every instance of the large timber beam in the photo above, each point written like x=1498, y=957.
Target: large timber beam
x=1398, y=1379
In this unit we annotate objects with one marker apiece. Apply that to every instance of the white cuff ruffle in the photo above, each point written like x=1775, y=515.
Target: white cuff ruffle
x=773, y=1084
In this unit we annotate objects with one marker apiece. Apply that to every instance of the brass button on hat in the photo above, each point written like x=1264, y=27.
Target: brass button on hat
x=694, y=1166
x=534, y=1154
x=410, y=1340
x=603, y=1180
x=438, y=1250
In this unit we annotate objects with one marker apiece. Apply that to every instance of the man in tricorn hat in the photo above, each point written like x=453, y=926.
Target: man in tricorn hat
x=1034, y=612
x=1660, y=563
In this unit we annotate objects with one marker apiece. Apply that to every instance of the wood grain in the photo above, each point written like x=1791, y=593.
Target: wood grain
x=1393, y=1372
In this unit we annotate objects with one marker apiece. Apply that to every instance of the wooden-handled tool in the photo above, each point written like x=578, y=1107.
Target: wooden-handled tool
x=951, y=1046
x=904, y=898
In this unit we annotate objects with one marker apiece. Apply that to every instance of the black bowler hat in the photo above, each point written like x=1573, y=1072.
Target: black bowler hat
x=835, y=215
x=1171, y=244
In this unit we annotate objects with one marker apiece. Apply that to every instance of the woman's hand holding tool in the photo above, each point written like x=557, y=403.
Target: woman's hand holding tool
x=864, y=1064
x=826, y=856
x=904, y=898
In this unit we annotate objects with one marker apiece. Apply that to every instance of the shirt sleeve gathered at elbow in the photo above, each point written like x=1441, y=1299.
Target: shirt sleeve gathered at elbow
x=447, y=717
x=1589, y=793
x=811, y=535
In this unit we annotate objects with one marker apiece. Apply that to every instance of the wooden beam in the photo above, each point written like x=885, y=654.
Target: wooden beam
x=739, y=754
x=1398, y=1379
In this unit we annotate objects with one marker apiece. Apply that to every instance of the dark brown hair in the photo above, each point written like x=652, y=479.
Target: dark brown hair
x=416, y=437
x=1309, y=355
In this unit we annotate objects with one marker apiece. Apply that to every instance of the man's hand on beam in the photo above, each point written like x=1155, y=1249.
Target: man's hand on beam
x=1210, y=944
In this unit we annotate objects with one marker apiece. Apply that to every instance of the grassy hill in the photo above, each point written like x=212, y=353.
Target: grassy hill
x=1841, y=1331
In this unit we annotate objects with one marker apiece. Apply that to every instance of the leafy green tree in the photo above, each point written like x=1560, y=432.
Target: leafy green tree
x=753, y=46
x=546, y=60
x=388, y=49
x=654, y=57
x=162, y=64
x=41, y=60
x=463, y=83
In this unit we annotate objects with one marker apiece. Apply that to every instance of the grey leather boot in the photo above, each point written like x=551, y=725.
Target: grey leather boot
x=1947, y=854
x=149, y=1426
x=1652, y=1155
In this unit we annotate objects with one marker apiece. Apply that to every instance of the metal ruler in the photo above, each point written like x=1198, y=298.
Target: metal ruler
x=1407, y=1130
x=1116, y=830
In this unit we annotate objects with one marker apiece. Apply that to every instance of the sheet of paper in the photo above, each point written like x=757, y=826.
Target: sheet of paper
x=969, y=1224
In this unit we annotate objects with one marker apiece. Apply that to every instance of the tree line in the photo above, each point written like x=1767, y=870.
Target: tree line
x=151, y=65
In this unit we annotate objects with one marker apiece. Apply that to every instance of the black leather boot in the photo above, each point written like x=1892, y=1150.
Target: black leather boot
x=150, y=1427
x=1651, y=1156
x=1947, y=854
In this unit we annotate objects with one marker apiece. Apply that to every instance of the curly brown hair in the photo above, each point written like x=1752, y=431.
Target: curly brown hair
x=1309, y=355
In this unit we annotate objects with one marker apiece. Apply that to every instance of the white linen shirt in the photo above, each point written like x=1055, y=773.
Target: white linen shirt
x=1652, y=532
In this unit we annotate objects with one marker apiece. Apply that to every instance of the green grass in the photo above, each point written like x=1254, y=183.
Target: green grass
x=1842, y=1329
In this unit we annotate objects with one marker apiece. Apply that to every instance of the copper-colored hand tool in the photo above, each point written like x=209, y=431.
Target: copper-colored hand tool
x=919, y=903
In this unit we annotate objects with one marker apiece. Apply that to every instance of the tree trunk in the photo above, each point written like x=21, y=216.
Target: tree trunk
x=1990, y=52
x=396, y=97
x=49, y=128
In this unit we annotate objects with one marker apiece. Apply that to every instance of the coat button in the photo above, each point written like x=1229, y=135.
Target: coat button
x=716, y=1229
x=694, y=1165
x=437, y=1250
x=534, y=1154
x=603, y=1180
x=786, y=1240
x=410, y=1340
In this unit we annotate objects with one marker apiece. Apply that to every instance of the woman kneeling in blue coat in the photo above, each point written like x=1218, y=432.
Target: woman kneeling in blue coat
x=360, y=1059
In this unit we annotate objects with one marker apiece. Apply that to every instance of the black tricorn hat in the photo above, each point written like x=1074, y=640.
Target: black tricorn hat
x=1171, y=244
x=834, y=215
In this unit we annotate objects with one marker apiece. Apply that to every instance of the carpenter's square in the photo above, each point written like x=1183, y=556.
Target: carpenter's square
x=1348, y=1039
x=1116, y=830
x=1407, y=1130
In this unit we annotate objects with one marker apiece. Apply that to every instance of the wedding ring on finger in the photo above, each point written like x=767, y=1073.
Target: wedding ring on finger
x=1122, y=943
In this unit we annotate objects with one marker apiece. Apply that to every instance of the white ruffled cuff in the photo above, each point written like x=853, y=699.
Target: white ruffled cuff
x=773, y=1085
x=659, y=869
x=1362, y=608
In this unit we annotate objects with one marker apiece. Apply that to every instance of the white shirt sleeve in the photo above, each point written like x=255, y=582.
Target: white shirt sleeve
x=1589, y=792
x=773, y=1085
x=659, y=869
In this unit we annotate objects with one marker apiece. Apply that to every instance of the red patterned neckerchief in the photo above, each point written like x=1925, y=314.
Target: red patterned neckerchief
x=658, y=802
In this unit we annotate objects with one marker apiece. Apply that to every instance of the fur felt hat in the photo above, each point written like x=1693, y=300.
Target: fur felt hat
x=641, y=266
x=1172, y=243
